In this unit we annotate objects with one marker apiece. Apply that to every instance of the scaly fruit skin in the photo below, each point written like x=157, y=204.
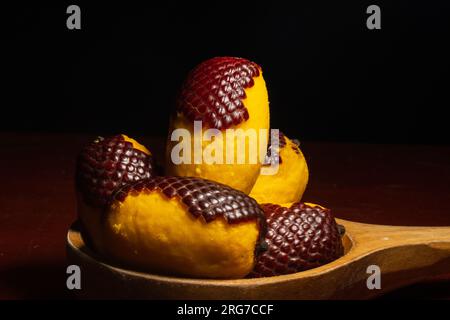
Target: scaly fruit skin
x=223, y=93
x=108, y=163
x=213, y=91
x=289, y=183
x=103, y=166
x=184, y=226
x=300, y=237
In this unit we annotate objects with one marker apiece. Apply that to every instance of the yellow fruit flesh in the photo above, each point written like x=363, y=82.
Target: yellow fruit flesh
x=136, y=145
x=90, y=216
x=241, y=176
x=314, y=205
x=157, y=234
x=289, y=204
x=288, y=184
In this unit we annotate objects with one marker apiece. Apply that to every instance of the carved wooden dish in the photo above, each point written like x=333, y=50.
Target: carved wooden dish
x=405, y=255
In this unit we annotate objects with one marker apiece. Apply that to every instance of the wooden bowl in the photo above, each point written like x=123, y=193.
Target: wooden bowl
x=404, y=255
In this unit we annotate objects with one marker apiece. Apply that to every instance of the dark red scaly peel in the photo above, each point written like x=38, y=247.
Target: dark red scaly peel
x=299, y=238
x=214, y=90
x=107, y=164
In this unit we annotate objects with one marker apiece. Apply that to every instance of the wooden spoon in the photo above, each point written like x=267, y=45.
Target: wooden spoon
x=405, y=255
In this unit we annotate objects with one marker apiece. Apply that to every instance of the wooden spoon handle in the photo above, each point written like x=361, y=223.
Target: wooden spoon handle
x=380, y=236
x=404, y=255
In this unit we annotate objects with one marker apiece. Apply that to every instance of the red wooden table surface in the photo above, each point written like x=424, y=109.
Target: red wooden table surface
x=384, y=184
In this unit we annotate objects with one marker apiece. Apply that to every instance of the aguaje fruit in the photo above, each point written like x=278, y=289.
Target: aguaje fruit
x=199, y=220
x=223, y=93
x=103, y=166
x=299, y=236
x=184, y=226
x=289, y=183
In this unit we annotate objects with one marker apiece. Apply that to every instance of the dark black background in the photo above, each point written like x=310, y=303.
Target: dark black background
x=329, y=77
